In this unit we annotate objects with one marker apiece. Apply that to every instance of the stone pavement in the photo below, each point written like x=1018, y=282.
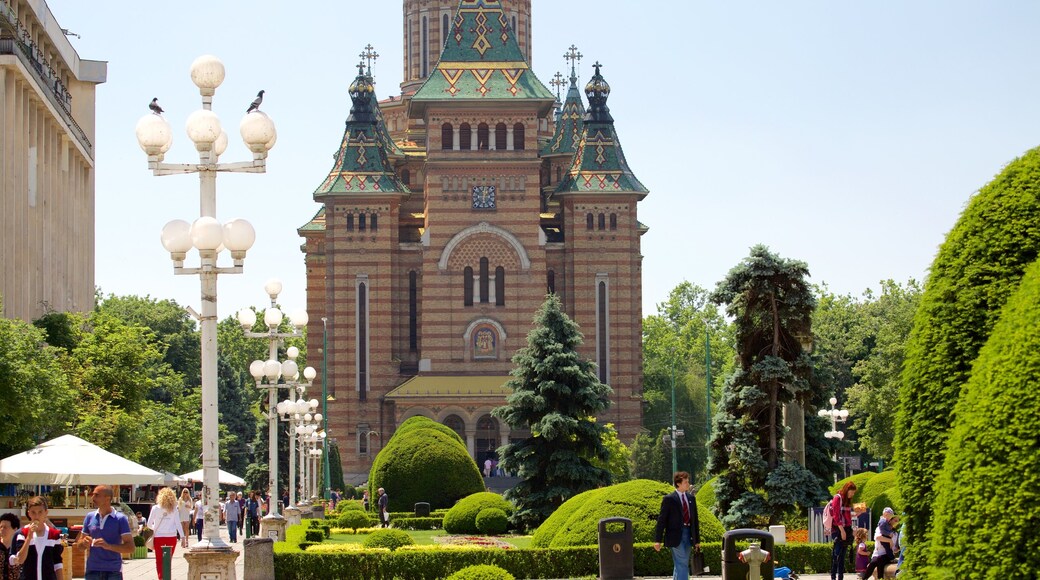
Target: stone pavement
x=144, y=569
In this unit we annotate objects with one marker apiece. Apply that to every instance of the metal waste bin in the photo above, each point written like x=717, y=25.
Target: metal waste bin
x=422, y=509
x=732, y=567
x=616, y=560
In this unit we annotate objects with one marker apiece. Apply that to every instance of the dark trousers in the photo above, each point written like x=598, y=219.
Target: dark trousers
x=198, y=528
x=839, y=554
x=878, y=564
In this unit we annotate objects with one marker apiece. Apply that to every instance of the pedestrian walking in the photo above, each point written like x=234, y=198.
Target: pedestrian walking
x=37, y=547
x=9, y=525
x=384, y=508
x=106, y=537
x=679, y=526
x=232, y=513
x=184, y=508
x=841, y=526
x=165, y=522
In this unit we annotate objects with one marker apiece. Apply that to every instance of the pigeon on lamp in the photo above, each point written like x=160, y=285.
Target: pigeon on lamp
x=154, y=106
x=255, y=105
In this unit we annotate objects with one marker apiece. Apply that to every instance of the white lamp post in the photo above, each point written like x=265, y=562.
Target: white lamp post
x=294, y=412
x=273, y=370
x=210, y=238
x=837, y=416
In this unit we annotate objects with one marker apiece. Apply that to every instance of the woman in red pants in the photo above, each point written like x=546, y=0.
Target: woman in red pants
x=166, y=523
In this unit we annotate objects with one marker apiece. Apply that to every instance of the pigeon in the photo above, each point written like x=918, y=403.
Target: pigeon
x=255, y=105
x=154, y=106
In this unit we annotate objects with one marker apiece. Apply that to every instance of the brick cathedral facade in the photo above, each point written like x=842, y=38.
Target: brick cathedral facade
x=450, y=211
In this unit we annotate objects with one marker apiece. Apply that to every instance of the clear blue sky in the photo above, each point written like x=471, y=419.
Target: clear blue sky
x=845, y=134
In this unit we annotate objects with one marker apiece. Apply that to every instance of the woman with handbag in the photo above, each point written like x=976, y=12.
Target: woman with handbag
x=165, y=521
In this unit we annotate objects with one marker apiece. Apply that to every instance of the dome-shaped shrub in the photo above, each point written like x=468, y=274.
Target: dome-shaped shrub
x=481, y=572
x=349, y=505
x=492, y=521
x=860, y=479
x=706, y=494
x=874, y=487
x=388, y=538
x=462, y=517
x=353, y=519
x=420, y=422
x=638, y=500
x=986, y=519
x=424, y=465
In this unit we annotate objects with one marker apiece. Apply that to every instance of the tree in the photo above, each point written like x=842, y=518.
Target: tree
x=977, y=268
x=650, y=458
x=619, y=456
x=556, y=395
x=771, y=304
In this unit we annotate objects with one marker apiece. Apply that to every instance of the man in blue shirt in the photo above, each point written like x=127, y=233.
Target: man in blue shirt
x=106, y=534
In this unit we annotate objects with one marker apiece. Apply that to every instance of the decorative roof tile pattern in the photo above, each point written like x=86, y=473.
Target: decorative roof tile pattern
x=482, y=60
x=361, y=165
x=446, y=386
x=316, y=224
x=599, y=164
x=569, y=124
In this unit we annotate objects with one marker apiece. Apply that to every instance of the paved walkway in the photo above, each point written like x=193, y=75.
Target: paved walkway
x=144, y=569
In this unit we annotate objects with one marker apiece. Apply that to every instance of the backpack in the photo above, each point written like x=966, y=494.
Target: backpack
x=828, y=518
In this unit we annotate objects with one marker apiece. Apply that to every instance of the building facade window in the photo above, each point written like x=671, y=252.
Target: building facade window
x=482, y=136
x=613, y=221
x=444, y=28
x=518, y=136
x=588, y=221
x=467, y=286
x=485, y=290
x=361, y=222
x=602, y=222
x=465, y=137
x=447, y=136
x=413, y=311
x=406, y=177
x=373, y=222
x=500, y=136
x=559, y=174
x=350, y=222
x=362, y=439
x=550, y=282
x=500, y=286
x=425, y=47
x=362, y=336
x=602, y=330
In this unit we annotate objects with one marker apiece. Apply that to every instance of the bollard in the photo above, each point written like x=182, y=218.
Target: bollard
x=616, y=557
x=754, y=557
x=258, y=559
x=167, y=558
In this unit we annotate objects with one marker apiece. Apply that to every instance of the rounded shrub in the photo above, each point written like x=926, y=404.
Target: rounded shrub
x=985, y=508
x=349, y=505
x=977, y=268
x=388, y=538
x=706, y=494
x=638, y=500
x=353, y=519
x=424, y=464
x=492, y=521
x=860, y=479
x=420, y=422
x=874, y=487
x=462, y=517
x=481, y=572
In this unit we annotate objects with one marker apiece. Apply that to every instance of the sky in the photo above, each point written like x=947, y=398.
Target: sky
x=848, y=135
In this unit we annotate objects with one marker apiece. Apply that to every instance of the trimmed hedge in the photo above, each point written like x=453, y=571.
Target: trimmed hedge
x=388, y=538
x=860, y=479
x=349, y=505
x=412, y=523
x=353, y=519
x=492, y=521
x=706, y=494
x=423, y=463
x=573, y=562
x=976, y=270
x=638, y=500
x=875, y=487
x=420, y=422
x=462, y=518
x=985, y=508
x=481, y=572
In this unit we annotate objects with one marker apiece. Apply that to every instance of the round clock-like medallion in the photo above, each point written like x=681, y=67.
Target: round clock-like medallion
x=484, y=197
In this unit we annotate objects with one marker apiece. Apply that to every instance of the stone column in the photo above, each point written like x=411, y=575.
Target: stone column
x=212, y=564
x=292, y=516
x=455, y=138
x=471, y=441
x=509, y=138
x=491, y=138
x=273, y=527
x=473, y=145
x=259, y=559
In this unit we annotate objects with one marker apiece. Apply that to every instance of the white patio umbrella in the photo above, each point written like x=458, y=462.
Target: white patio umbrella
x=225, y=477
x=69, y=460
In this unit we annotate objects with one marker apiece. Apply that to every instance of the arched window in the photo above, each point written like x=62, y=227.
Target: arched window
x=425, y=48
x=559, y=174
x=374, y=223
x=362, y=339
x=484, y=282
x=413, y=311
x=447, y=136
x=551, y=282
x=500, y=286
x=601, y=329
x=602, y=222
x=467, y=286
x=500, y=136
x=361, y=222
x=350, y=222
x=444, y=28
x=465, y=137
x=613, y=221
x=454, y=422
x=588, y=221
x=406, y=177
x=518, y=136
x=482, y=136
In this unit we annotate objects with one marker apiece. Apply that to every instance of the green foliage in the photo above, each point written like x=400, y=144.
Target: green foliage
x=316, y=536
x=619, y=456
x=706, y=494
x=556, y=395
x=420, y=422
x=462, y=517
x=876, y=486
x=985, y=505
x=638, y=500
x=336, y=470
x=975, y=271
x=481, y=572
x=860, y=479
x=414, y=523
x=650, y=457
x=770, y=302
x=424, y=464
x=388, y=538
x=492, y=521
x=345, y=505
x=353, y=519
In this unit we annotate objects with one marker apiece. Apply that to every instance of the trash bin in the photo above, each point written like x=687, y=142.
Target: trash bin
x=732, y=567
x=422, y=509
x=616, y=561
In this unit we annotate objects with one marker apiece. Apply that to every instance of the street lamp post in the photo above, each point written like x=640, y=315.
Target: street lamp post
x=210, y=238
x=296, y=413
x=837, y=416
x=272, y=370
x=326, y=482
x=673, y=431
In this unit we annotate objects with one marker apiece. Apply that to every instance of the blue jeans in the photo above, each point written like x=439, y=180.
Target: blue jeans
x=232, y=528
x=839, y=553
x=681, y=557
x=103, y=576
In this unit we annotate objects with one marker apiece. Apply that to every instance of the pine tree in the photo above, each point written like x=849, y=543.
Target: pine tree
x=556, y=395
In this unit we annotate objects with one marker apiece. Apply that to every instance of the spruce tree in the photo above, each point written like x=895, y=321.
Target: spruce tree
x=556, y=395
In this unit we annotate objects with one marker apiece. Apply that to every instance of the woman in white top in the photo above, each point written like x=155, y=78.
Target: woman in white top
x=166, y=523
x=184, y=507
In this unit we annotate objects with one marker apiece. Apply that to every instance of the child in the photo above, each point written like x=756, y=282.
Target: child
x=38, y=546
x=884, y=547
x=862, y=553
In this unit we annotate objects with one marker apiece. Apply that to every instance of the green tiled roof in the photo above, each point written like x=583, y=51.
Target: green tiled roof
x=361, y=165
x=569, y=124
x=316, y=223
x=482, y=60
x=599, y=164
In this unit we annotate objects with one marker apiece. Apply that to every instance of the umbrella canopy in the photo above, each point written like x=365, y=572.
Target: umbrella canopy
x=225, y=477
x=172, y=479
x=69, y=460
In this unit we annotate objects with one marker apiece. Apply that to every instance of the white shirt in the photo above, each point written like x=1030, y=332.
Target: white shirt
x=164, y=523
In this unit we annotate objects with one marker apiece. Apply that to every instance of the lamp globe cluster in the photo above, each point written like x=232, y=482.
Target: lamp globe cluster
x=836, y=416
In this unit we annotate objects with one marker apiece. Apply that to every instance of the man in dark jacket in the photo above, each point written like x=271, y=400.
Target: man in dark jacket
x=678, y=526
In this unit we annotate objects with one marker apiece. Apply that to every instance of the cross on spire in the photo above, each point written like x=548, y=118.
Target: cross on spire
x=574, y=57
x=597, y=66
x=557, y=82
x=369, y=54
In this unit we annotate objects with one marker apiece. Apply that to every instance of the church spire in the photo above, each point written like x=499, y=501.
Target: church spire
x=599, y=164
x=570, y=122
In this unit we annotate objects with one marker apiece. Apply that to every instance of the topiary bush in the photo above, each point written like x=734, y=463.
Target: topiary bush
x=388, y=538
x=977, y=268
x=353, y=519
x=706, y=494
x=492, y=521
x=481, y=572
x=985, y=511
x=875, y=487
x=349, y=505
x=424, y=464
x=420, y=422
x=462, y=518
x=860, y=479
x=638, y=500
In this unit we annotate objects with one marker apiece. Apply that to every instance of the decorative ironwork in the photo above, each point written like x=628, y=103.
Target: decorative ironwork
x=369, y=54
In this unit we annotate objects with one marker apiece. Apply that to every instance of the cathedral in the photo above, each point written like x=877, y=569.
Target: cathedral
x=449, y=213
